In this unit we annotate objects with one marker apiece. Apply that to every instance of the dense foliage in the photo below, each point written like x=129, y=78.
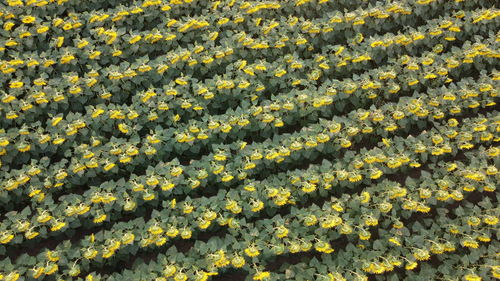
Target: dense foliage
x=249, y=140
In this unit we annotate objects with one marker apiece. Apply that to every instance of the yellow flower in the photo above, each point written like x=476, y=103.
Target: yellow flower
x=472, y=277
x=308, y=187
x=11, y=43
x=280, y=72
x=238, y=261
x=411, y=265
x=31, y=234
x=323, y=247
x=8, y=25
x=172, y=232
x=257, y=206
x=90, y=253
x=37, y=272
x=364, y=235
x=484, y=238
x=262, y=275
x=345, y=143
x=204, y=224
x=144, y=68
x=16, y=84
x=398, y=225
x=24, y=148
x=365, y=197
x=252, y=251
x=109, y=166
x=57, y=226
x=127, y=238
x=148, y=196
x=469, y=243
x=227, y=177
x=491, y=220
x=421, y=255
x=376, y=173
x=6, y=237
x=413, y=82
x=282, y=232
x=51, y=269
x=107, y=253
x=135, y=39
x=371, y=221
x=176, y=171
x=338, y=207
x=395, y=241
x=355, y=177
x=94, y=54
x=28, y=19
x=181, y=81
x=100, y=218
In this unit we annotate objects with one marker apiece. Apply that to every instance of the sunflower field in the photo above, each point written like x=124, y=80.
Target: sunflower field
x=241, y=140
